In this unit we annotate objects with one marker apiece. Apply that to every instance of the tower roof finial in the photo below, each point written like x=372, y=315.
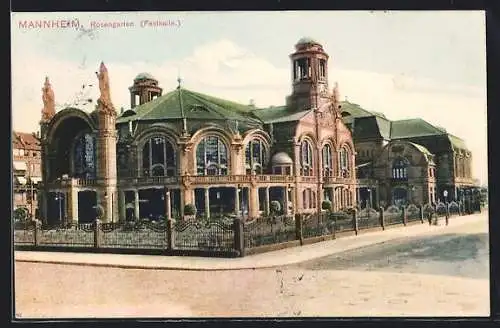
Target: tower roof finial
x=179, y=80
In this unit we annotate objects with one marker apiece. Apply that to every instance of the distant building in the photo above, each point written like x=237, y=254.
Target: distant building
x=407, y=160
x=26, y=154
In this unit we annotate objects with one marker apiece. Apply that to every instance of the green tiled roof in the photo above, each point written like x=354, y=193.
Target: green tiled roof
x=279, y=114
x=413, y=128
x=456, y=142
x=196, y=106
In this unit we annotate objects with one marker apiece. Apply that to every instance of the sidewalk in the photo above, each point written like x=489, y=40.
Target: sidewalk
x=277, y=258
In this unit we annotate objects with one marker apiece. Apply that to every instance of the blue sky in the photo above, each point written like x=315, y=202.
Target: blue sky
x=404, y=64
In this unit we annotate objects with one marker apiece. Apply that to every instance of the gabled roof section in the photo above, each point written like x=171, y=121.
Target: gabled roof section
x=196, y=106
x=25, y=140
x=416, y=127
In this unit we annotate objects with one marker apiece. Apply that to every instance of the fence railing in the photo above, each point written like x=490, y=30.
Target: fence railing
x=223, y=236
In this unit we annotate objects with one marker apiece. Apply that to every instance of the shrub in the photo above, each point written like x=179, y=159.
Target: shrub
x=99, y=211
x=326, y=205
x=275, y=207
x=189, y=209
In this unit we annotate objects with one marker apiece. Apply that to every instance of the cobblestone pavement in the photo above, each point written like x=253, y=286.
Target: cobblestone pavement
x=441, y=275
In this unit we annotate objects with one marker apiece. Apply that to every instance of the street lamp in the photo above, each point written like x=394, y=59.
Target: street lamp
x=445, y=195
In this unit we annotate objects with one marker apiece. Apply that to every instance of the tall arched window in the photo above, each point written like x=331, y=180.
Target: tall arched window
x=211, y=156
x=400, y=169
x=255, y=156
x=158, y=157
x=306, y=158
x=327, y=161
x=85, y=156
x=344, y=165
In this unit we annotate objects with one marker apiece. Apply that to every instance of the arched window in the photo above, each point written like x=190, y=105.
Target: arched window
x=400, y=169
x=306, y=158
x=344, y=165
x=85, y=156
x=327, y=161
x=255, y=156
x=211, y=156
x=158, y=157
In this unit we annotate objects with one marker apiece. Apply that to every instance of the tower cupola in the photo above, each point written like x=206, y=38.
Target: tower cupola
x=144, y=89
x=309, y=74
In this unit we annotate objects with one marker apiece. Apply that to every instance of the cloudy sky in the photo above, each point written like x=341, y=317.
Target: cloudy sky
x=405, y=64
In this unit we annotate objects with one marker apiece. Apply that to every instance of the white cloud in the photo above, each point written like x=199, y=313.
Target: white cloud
x=227, y=70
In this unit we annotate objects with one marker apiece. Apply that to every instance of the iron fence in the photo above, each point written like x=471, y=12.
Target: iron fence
x=316, y=225
x=368, y=218
x=70, y=234
x=204, y=235
x=441, y=209
x=454, y=208
x=412, y=213
x=24, y=233
x=344, y=220
x=141, y=234
x=269, y=230
x=393, y=215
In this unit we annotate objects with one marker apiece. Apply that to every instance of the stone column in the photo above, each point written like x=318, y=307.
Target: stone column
x=358, y=195
x=168, y=205
x=268, y=207
x=122, y=205
x=237, y=201
x=253, y=194
x=207, y=202
x=136, y=205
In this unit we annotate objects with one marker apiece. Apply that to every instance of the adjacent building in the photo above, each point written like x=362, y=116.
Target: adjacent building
x=26, y=168
x=407, y=161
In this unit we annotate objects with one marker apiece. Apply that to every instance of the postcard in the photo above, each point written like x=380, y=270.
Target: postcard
x=249, y=164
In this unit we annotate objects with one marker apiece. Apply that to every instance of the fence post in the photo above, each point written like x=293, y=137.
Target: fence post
x=421, y=212
x=355, y=220
x=447, y=214
x=403, y=213
x=97, y=225
x=381, y=215
x=298, y=228
x=36, y=237
x=170, y=234
x=239, y=242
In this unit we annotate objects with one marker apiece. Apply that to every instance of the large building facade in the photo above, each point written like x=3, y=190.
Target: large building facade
x=183, y=147
x=26, y=171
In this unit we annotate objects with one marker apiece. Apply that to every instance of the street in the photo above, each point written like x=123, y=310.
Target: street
x=443, y=273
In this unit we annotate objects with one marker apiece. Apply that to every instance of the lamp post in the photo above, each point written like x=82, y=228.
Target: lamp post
x=369, y=197
x=59, y=198
x=445, y=195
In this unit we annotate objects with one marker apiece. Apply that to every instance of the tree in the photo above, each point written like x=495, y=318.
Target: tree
x=189, y=209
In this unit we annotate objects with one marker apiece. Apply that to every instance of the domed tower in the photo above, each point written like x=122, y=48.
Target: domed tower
x=144, y=89
x=309, y=75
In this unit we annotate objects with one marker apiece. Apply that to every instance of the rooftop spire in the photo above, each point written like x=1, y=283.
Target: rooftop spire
x=179, y=89
x=49, y=107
